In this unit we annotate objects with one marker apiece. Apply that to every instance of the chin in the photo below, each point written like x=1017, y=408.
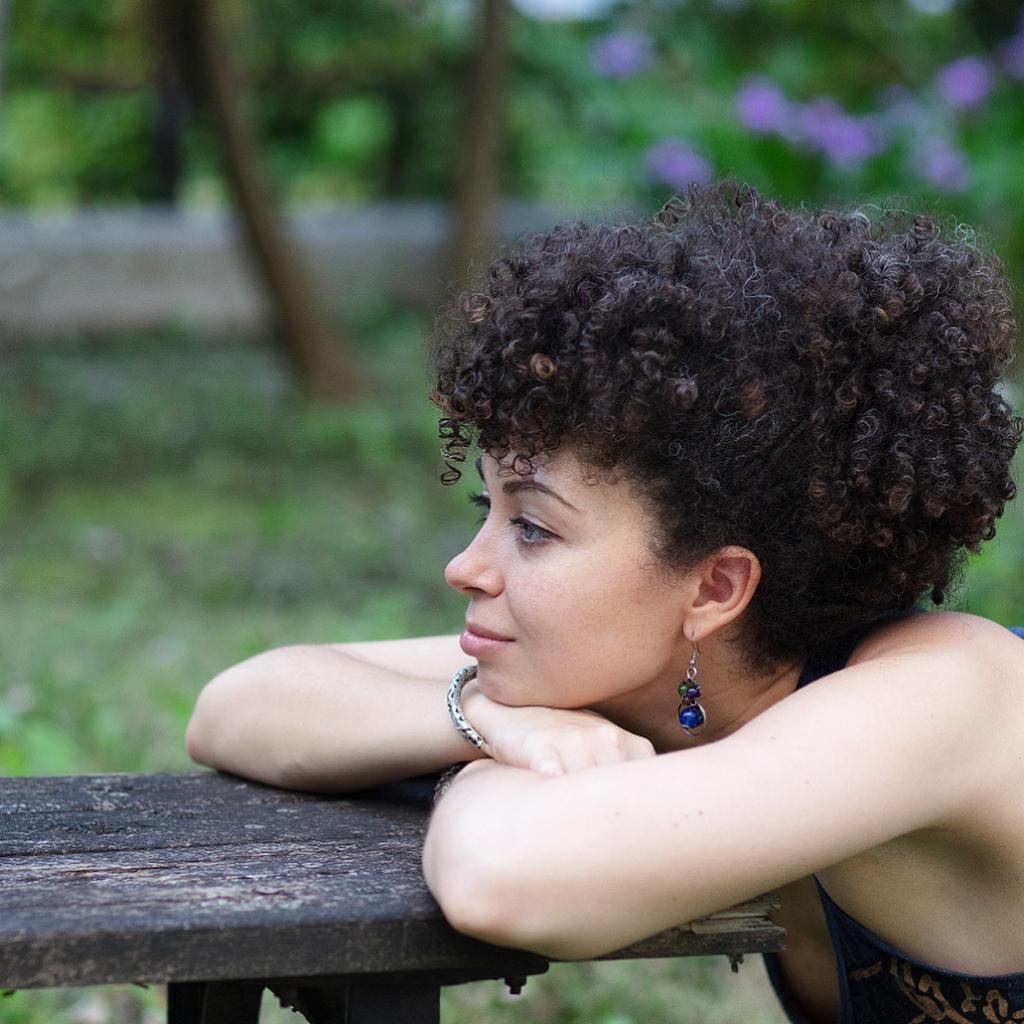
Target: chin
x=493, y=689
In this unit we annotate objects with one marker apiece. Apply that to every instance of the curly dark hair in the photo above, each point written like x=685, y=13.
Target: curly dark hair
x=818, y=387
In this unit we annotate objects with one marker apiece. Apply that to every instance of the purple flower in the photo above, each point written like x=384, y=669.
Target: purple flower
x=965, y=83
x=761, y=107
x=944, y=166
x=1011, y=56
x=846, y=141
x=674, y=163
x=622, y=54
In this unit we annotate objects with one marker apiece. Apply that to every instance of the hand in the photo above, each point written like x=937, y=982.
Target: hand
x=550, y=740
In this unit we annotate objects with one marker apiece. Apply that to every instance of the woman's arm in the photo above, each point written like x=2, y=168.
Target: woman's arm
x=322, y=719
x=346, y=716
x=585, y=863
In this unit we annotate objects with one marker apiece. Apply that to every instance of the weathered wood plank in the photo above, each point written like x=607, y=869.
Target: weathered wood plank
x=90, y=832
x=346, y=882
x=172, y=792
x=85, y=814
x=225, y=953
x=203, y=876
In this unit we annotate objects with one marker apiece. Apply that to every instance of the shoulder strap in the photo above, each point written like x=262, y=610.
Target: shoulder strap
x=837, y=657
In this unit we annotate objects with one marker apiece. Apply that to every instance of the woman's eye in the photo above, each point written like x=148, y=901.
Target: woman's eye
x=530, y=534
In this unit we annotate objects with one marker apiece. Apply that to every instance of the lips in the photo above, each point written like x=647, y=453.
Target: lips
x=481, y=631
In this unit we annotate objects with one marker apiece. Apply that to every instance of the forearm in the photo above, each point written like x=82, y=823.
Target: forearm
x=314, y=718
x=509, y=855
x=474, y=854
x=485, y=800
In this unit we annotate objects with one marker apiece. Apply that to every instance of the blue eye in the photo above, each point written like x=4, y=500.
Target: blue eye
x=530, y=530
x=529, y=534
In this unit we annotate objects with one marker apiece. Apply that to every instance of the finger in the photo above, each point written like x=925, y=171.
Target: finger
x=612, y=745
x=611, y=754
x=639, y=748
x=577, y=753
x=548, y=764
x=626, y=747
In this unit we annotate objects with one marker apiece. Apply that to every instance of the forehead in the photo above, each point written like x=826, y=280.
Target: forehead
x=562, y=471
x=560, y=465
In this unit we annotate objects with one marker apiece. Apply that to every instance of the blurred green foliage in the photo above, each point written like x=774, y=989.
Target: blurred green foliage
x=146, y=544
x=361, y=100
x=169, y=507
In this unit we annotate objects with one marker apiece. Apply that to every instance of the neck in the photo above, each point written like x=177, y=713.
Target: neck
x=730, y=699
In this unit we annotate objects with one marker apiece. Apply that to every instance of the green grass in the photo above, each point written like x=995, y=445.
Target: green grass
x=168, y=507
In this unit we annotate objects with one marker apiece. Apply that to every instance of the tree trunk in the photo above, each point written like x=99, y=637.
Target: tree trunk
x=324, y=364
x=478, y=171
x=167, y=126
x=5, y=12
x=402, y=150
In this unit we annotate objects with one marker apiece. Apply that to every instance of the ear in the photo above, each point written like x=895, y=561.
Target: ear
x=725, y=583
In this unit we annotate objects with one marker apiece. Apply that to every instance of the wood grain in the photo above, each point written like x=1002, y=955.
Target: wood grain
x=204, y=876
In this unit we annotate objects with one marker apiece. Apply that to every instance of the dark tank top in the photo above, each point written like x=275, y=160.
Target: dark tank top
x=879, y=984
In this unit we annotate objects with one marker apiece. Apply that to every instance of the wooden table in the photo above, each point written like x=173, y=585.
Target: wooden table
x=220, y=888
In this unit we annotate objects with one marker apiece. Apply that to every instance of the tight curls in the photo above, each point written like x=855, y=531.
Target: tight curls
x=818, y=387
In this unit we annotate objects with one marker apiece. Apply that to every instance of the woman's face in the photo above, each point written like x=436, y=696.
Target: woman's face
x=568, y=577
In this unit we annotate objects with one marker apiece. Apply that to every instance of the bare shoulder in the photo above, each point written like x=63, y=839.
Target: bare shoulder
x=906, y=742
x=960, y=661
x=433, y=657
x=973, y=641
x=935, y=627
x=950, y=685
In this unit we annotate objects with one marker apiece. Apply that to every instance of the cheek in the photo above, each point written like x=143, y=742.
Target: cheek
x=551, y=601
x=588, y=634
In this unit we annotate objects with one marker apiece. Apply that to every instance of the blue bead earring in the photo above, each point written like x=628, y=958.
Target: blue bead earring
x=691, y=714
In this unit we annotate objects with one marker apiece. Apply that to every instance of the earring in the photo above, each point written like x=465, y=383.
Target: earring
x=691, y=714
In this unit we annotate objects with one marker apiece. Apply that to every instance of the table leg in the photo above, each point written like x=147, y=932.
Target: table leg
x=369, y=1004
x=185, y=1002
x=362, y=1003
x=214, y=1002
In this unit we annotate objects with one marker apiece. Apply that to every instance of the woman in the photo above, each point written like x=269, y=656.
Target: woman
x=724, y=456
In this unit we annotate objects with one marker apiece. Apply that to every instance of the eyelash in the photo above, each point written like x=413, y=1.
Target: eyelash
x=523, y=525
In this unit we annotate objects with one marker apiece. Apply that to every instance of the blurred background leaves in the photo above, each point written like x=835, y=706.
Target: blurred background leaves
x=176, y=496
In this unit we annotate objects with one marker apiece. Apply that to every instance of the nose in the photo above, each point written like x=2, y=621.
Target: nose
x=475, y=569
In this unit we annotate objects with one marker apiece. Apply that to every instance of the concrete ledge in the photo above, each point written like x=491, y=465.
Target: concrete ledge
x=127, y=268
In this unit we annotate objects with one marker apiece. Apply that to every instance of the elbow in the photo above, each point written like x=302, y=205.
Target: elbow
x=484, y=892
x=197, y=743
x=480, y=892
x=462, y=876
x=491, y=874
x=240, y=720
x=212, y=733
x=476, y=905
x=491, y=911
x=470, y=908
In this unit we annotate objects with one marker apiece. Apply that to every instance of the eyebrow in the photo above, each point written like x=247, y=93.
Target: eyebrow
x=515, y=486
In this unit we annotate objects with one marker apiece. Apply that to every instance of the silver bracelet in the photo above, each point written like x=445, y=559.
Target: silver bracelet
x=459, y=680
x=446, y=778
